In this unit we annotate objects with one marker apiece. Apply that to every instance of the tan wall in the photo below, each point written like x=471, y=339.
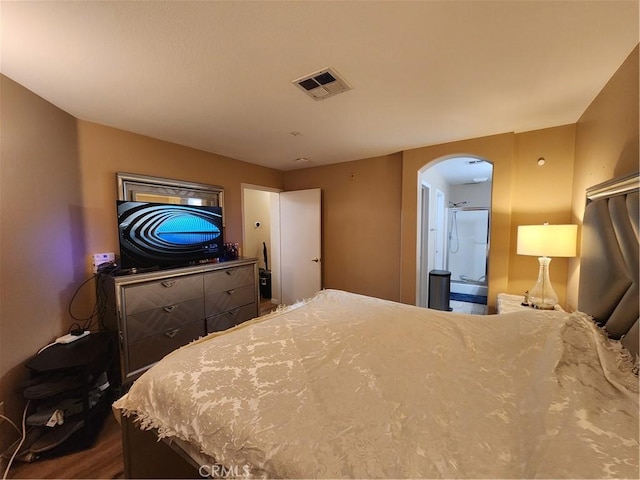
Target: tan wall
x=360, y=223
x=105, y=151
x=606, y=144
x=42, y=241
x=498, y=150
x=541, y=194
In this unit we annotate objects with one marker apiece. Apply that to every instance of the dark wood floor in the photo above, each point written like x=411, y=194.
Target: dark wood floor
x=266, y=306
x=103, y=460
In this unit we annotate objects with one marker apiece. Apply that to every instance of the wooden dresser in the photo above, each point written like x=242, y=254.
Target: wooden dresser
x=154, y=313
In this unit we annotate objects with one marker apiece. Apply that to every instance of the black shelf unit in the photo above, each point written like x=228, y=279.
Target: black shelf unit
x=72, y=371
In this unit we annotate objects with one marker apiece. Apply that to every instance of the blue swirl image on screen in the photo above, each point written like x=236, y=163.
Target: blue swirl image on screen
x=187, y=229
x=164, y=234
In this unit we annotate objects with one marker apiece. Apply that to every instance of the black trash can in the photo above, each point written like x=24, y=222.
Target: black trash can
x=440, y=290
x=265, y=283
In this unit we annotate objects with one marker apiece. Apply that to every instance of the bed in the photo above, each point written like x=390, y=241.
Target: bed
x=348, y=386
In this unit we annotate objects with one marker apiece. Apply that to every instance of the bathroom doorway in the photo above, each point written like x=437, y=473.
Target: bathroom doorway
x=463, y=184
x=468, y=253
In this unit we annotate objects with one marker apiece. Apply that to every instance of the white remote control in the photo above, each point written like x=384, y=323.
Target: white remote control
x=69, y=337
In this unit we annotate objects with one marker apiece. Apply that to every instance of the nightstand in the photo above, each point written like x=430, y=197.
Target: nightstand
x=512, y=303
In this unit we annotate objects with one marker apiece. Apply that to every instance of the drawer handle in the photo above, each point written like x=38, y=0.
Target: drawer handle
x=170, y=308
x=229, y=272
x=172, y=333
x=231, y=292
x=168, y=283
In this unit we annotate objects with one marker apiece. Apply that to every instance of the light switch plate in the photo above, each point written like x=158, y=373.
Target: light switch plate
x=98, y=259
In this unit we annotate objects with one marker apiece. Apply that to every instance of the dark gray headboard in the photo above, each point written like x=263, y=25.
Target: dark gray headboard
x=609, y=266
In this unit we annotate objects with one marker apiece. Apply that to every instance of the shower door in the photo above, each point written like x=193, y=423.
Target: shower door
x=468, y=250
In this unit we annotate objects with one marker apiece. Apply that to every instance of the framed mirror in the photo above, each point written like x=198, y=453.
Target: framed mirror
x=144, y=188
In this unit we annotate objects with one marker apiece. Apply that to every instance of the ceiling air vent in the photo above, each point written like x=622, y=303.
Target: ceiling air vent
x=323, y=84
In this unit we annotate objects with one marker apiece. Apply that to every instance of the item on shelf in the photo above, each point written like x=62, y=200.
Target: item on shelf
x=54, y=437
x=52, y=385
x=231, y=251
x=56, y=412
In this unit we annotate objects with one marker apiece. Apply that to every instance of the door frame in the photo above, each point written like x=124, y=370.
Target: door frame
x=424, y=244
x=274, y=234
x=422, y=275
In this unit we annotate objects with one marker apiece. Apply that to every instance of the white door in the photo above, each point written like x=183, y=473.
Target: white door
x=440, y=231
x=300, y=244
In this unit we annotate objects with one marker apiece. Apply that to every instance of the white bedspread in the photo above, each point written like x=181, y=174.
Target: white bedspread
x=345, y=385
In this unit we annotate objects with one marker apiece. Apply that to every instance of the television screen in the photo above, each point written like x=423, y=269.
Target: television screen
x=165, y=235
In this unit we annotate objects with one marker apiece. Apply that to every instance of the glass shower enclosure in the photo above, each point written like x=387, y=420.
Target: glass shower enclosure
x=467, y=253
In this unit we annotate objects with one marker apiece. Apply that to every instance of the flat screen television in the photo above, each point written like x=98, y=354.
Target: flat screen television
x=160, y=235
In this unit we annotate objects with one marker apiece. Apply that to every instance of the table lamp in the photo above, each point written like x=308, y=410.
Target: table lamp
x=545, y=241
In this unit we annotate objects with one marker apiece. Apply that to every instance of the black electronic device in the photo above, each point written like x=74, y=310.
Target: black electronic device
x=265, y=275
x=167, y=235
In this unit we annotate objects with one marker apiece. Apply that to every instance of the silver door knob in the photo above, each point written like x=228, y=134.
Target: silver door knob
x=316, y=259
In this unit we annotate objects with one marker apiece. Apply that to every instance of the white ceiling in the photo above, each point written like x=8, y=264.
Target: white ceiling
x=462, y=170
x=216, y=75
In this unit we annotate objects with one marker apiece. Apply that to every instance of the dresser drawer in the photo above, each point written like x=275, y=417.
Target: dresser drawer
x=228, y=279
x=160, y=293
x=151, y=322
x=222, y=321
x=151, y=349
x=229, y=299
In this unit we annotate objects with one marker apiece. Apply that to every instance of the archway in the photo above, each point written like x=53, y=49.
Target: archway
x=453, y=225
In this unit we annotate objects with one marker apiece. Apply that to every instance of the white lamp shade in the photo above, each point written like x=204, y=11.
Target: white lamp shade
x=547, y=240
